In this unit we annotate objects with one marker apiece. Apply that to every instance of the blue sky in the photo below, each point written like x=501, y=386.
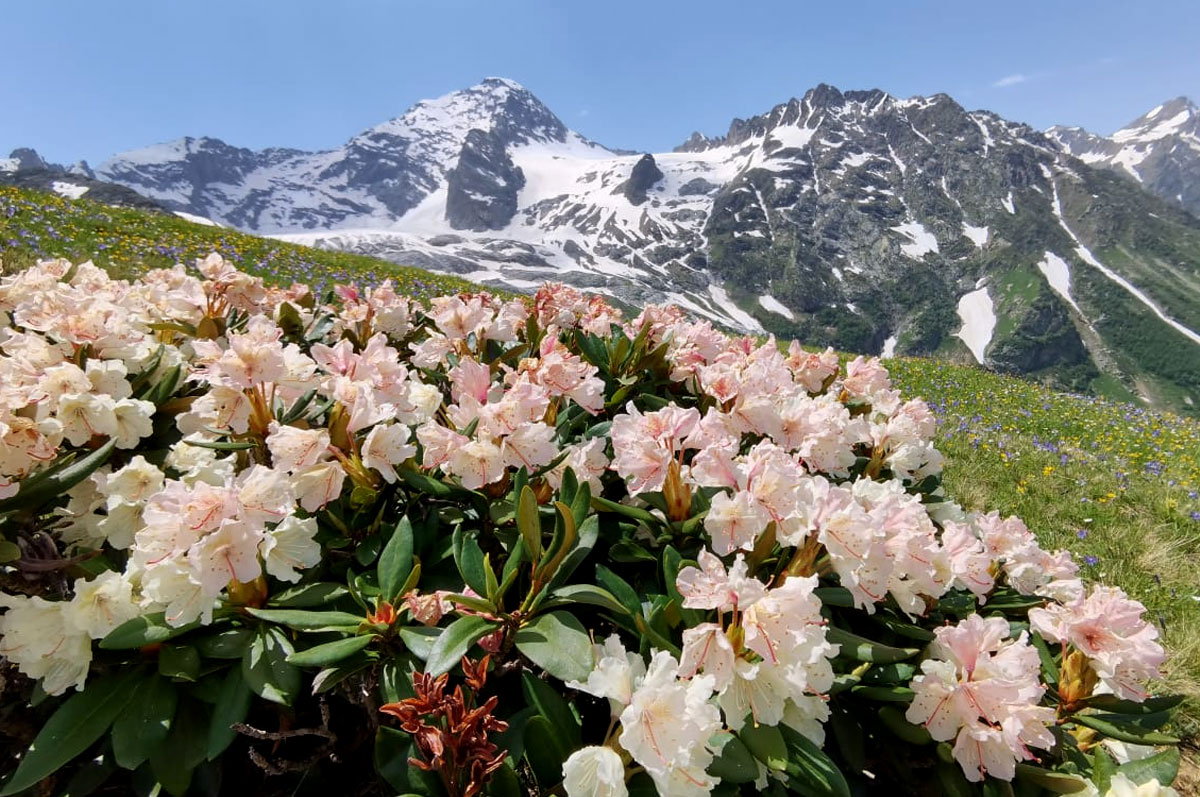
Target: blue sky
x=85, y=79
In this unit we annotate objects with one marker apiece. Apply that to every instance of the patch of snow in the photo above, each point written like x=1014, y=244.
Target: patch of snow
x=857, y=159
x=1058, y=274
x=978, y=317
x=977, y=234
x=921, y=240
x=69, y=190
x=889, y=348
x=8, y=164
x=1008, y=204
x=194, y=219
x=735, y=313
x=769, y=302
x=1091, y=260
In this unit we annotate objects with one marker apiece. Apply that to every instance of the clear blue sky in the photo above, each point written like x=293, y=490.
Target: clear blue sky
x=85, y=79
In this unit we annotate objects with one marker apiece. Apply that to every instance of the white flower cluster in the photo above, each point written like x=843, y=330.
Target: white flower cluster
x=786, y=449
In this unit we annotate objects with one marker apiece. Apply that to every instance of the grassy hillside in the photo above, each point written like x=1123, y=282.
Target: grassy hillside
x=35, y=225
x=1117, y=485
x=1114, y=483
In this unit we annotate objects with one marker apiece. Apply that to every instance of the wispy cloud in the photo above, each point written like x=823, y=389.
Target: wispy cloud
x=1010, y=80
x=585, y=112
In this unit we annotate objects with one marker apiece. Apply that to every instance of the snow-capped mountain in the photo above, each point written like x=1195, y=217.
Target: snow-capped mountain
x=858, y=219
x=25, y=168
x=1161, y=150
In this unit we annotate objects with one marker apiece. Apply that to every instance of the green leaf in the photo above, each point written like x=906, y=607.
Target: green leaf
x=330, y=653
x=545, y=752
x=266, y=669
x=835, y=596
x=232, y=705
x=884, y=694
x=144, y=630
x=74, y=727
x=222, y=445
x=468, y=557
x=565, y=535
x=863, y=649
x=504, y=783
x=895, y=721
x=809, y=770
x=419, y=639
x=547, y=701
x=1163, y=767
x=181, y=662
x=165, y=386
x=895, y=673
x=637, y=513
x=1115, y=705
x=589, y=532
x=393, y=748
x=530, y=524
x=306, y=596
x=620, y=589
x=9, y=552
x=1048, y=664
x=303, y=620
x=145, y=723
x=455, y=641
x=1103, y=768
x=1123, y=729
x=766, y=743
x=734, y=763
x=559, y=644
x=57, y=480
x=848, y=734
x=228, y=644
x=173, y=761
x=396, y=561
x=1054, y=782
x=585, y=593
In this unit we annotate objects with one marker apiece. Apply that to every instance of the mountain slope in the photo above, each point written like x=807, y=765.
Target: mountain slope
x=1161, y=150
x=854, y=219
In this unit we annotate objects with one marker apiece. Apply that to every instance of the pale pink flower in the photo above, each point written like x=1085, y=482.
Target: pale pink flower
x=1110, y=629
x=707, y=648
x=667, y=725
x=982, y=689
x=386, y=446
x=735, y=523
x=711, y=587
x=294, y=449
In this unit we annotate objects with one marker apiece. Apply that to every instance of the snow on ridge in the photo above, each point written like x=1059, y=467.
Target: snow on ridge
x=69, y=190
x=194, y=219
x=889, y=348
x=921, y=240
x=732, y=311
x=772, y=304
x=1058, y=274
x=979, y=235
x=978, y=317
x=1129, y=287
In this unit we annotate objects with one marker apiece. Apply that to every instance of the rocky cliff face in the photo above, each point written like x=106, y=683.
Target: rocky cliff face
x=855, y=219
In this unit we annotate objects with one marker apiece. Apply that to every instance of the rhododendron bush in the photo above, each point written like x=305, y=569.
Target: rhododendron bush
x=257, y=540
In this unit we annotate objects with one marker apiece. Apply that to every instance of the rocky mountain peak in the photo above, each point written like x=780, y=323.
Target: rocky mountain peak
x=25, y=159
